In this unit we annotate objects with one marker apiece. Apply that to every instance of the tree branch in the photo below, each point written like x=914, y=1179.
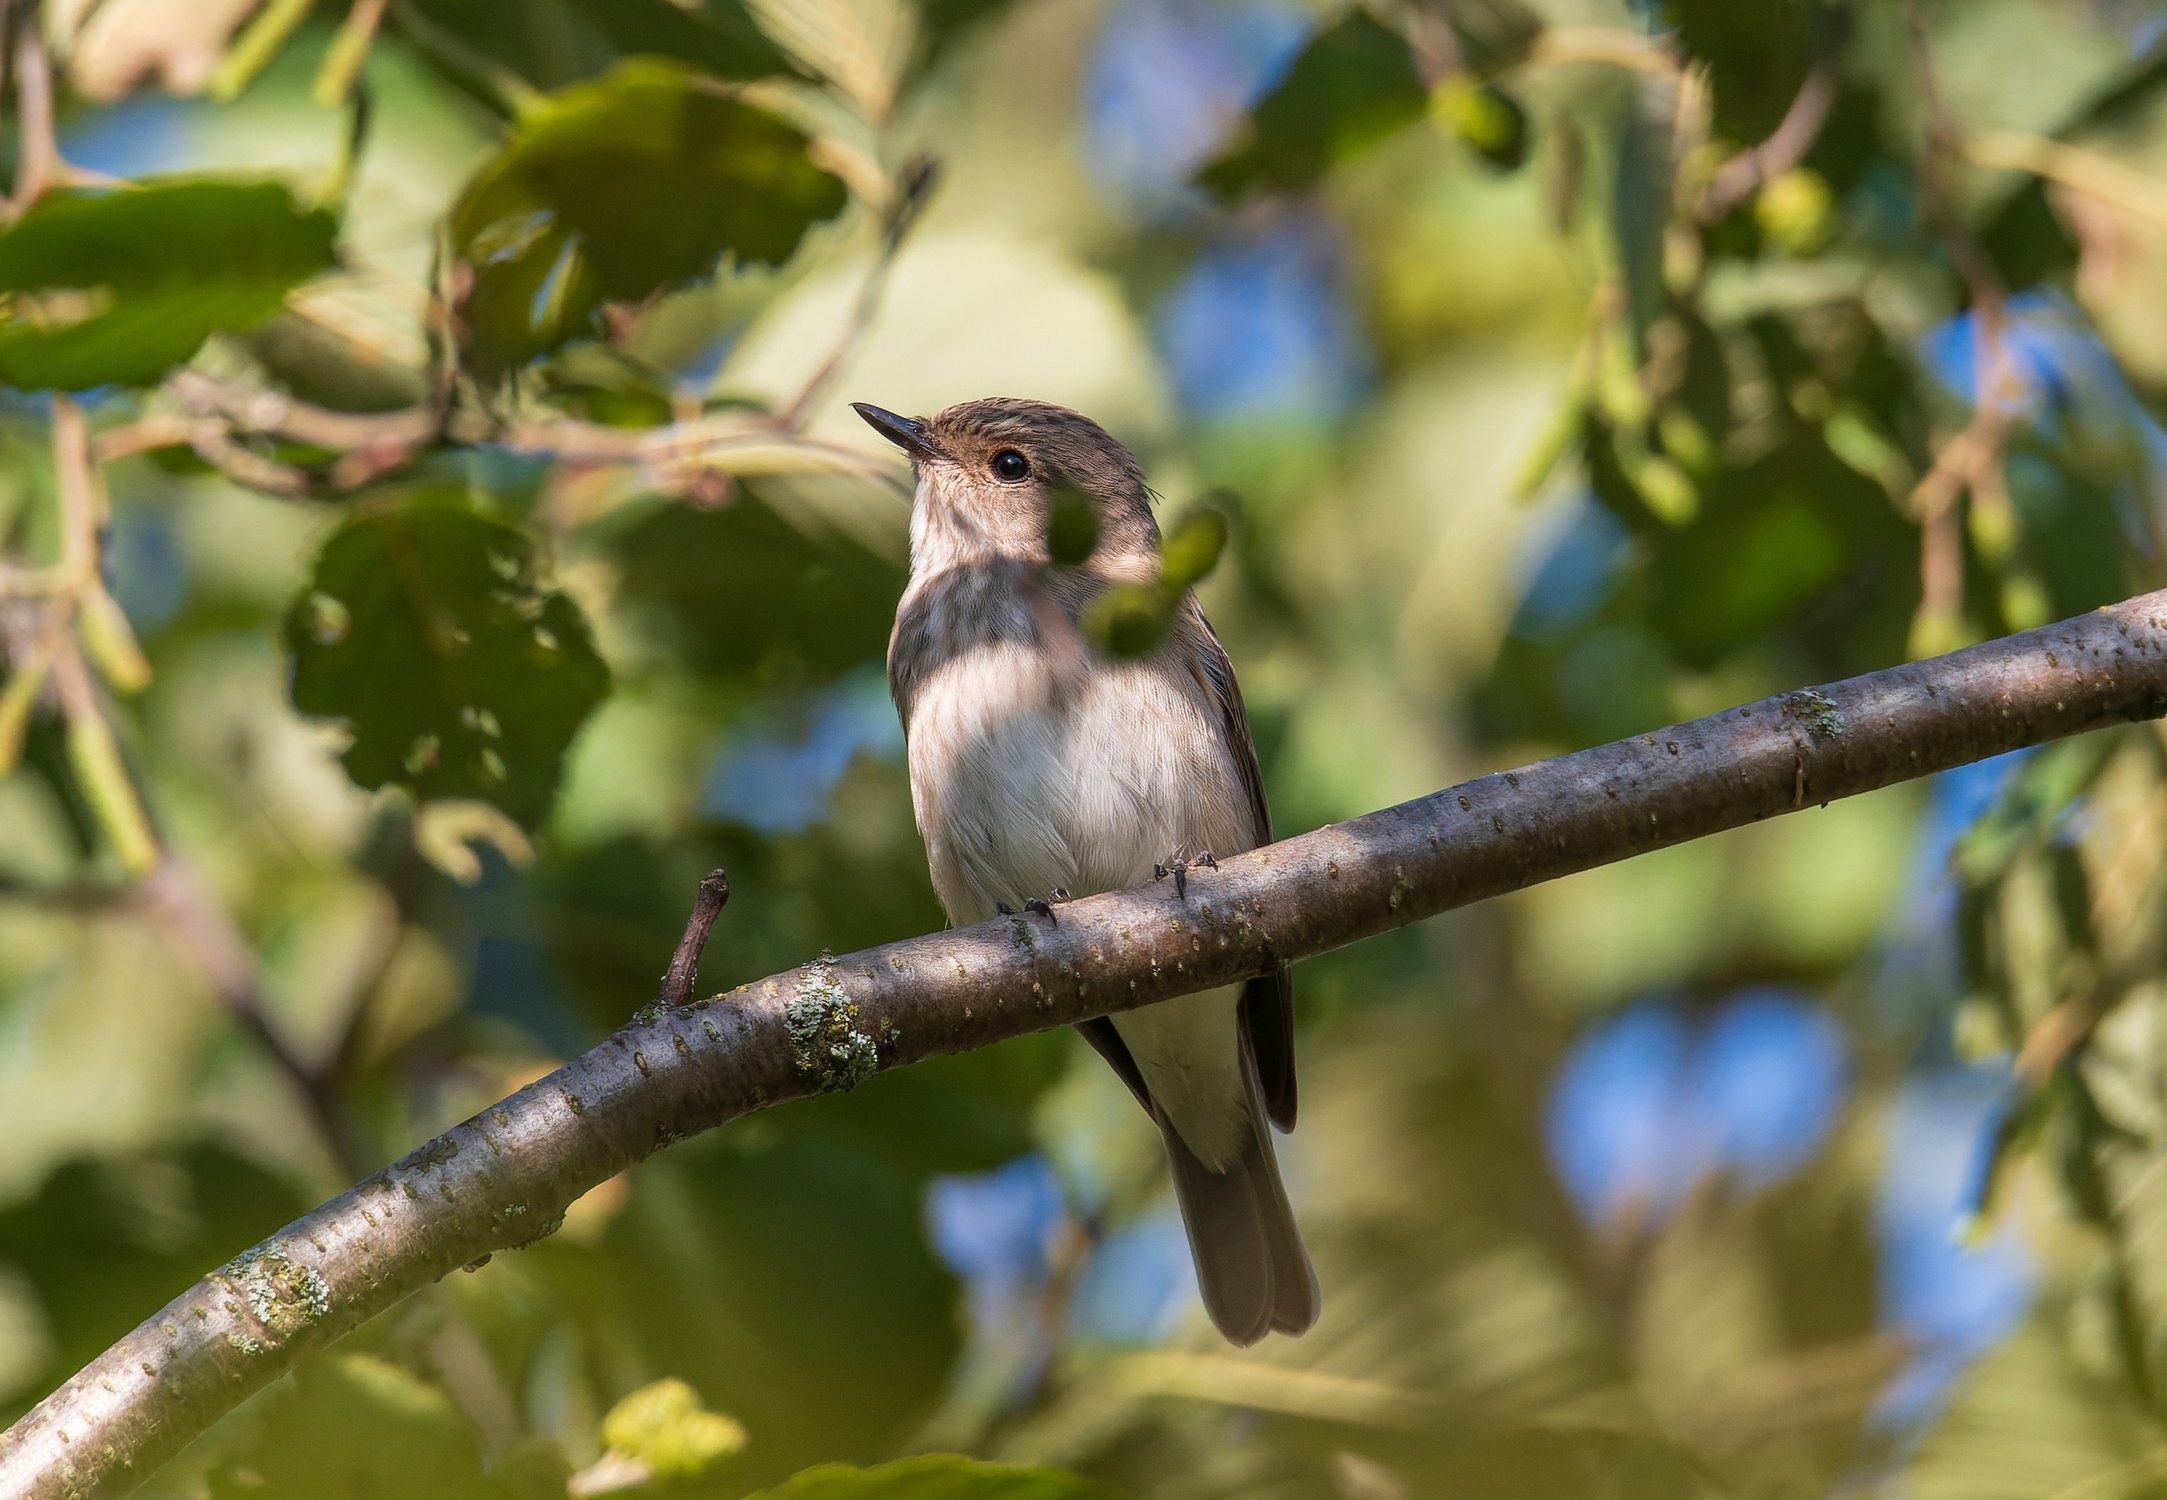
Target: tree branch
x=505, y=1177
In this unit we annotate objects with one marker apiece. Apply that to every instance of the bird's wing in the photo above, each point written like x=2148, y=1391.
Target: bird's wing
x=1267, y=1000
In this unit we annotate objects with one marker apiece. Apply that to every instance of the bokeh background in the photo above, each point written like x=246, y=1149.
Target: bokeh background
x=1821, y=1158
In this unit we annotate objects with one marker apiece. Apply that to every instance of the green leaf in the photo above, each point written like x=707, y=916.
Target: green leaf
x=1129, y=620
x=116, y=288
x=1072, y=527
x=615, y=190
x=746, y=592
x=1354, y=84
x=1192, y=547
x=427, y=630
x=551, y=43
x=937, y=1476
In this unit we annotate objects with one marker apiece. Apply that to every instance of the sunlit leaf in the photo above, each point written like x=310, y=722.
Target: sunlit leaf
x=614, y=190
x=428, y=632
x=556, y=42
x=663, y=1427
x=116, y=287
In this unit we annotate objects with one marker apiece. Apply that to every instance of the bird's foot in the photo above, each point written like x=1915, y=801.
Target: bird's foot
x=1043, y=905
x=1179, y=868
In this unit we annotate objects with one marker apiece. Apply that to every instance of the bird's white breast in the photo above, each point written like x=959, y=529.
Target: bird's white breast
x=1025, y=781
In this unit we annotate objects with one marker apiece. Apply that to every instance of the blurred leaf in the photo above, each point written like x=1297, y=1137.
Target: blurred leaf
x=1354, y=84
x=599, y=384
x=743, y=592
x=1756, y=52
x=326, y=368
x=1640, y=203
x=115, y=288
x=362, y=1428
x=551, y=43
x=936, y=1476
x=1128, y=620
x=664, y=1427
x=615, y=190
x=94, y=758
x=2027, y=1421
x=1191, y=547
x=104, y=1240
x=1072, y=527
x=426, y=629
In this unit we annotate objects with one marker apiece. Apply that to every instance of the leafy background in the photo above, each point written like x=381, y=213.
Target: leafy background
x=435, y=536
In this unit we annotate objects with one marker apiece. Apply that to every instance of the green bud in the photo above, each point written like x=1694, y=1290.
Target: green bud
x=1192, y=547
x=1489, y=120
x=1129, y=619
x=1072, y=527
x=1796, y=211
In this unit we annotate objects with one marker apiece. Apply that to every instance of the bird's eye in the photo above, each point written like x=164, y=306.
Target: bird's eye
x=1011, y=465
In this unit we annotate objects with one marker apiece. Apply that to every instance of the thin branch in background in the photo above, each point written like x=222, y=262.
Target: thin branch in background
x=1972, y=461
x=349, y=50
x=177, y=894
x=684, y=970
x=494, y=1181
x=2073, y=167
x=1786, y=146
x=37, y=149
x=917, y=186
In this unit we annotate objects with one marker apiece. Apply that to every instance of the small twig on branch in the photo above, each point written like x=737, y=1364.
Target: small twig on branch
x=506, y=1175
x=1794, y=135
x=684, y=968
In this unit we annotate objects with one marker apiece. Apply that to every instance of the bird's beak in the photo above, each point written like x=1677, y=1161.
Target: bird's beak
x=907, y=433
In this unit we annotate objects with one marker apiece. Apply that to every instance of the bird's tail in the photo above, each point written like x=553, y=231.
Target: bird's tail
x=1251, y=1264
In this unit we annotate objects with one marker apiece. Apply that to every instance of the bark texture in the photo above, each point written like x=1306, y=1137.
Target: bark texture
x=505, y=1177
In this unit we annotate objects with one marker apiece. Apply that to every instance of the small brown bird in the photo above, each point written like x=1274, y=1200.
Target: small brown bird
x=1040, y=768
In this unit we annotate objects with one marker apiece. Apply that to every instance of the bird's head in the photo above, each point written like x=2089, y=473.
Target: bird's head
x=996, y=476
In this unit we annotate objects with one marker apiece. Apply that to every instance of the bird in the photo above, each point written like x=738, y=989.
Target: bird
x=1043, y=769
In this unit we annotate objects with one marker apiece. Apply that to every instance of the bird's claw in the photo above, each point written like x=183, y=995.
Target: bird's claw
x=1043, y=905
x=1179, y=868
